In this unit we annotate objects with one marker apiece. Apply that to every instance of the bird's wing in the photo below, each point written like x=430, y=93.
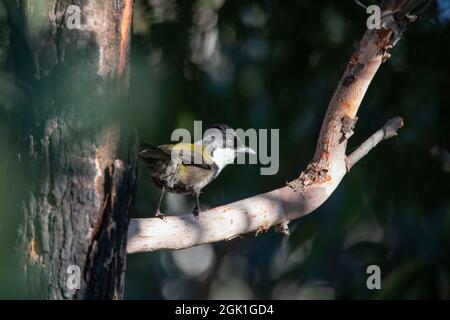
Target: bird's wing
x=189, y=154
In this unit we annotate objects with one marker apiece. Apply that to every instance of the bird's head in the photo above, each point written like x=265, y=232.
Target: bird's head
x=223, y=144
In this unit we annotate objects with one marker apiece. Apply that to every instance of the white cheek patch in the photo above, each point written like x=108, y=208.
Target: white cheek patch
x=222, y=157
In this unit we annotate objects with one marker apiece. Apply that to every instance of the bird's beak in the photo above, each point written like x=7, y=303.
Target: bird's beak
x=245, y=149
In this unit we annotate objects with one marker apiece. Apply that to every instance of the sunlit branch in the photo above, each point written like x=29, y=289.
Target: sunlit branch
x=388, y=131
x=302, y=195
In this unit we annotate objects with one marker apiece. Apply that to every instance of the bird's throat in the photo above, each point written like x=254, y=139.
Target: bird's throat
x=223, y=156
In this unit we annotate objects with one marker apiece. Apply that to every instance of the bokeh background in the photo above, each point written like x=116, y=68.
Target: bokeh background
x=275, y=64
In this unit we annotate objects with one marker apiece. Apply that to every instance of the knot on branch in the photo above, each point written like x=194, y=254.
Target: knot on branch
x=262, y=228
x=355, y=67
x=348, y=124
x=386, y=40
x=283, y=228
x=396, y=16
x=316, y=172
x=391, y=127
x=399, y=14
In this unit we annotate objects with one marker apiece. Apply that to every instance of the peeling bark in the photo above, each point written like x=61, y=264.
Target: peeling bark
x=314, y=185
x=74, y=145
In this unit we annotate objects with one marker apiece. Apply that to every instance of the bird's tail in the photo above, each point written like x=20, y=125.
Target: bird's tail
x=149, y=152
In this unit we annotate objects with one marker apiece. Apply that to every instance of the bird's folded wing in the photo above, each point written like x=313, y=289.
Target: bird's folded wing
x=189, y=154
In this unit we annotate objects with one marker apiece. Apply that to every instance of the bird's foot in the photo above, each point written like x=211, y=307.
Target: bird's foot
x=196, y=213
x=162, y=216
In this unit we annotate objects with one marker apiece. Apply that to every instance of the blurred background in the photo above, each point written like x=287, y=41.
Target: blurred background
x=275, y=64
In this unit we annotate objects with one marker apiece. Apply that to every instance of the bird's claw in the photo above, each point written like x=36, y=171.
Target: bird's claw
x=162, y=216
x=196, y=213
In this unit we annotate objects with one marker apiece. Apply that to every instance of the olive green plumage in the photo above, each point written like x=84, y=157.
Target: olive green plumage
x=188, y=167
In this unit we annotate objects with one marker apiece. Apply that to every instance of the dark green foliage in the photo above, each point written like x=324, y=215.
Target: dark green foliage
x=280, y=63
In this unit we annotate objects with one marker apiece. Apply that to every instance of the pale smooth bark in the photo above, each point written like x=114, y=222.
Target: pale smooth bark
x=302, y=195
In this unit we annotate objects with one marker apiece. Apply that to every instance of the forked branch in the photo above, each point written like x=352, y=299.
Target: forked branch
x=389, y=130
x=302, y=195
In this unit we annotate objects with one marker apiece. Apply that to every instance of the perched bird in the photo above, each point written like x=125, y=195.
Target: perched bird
x=188, y=168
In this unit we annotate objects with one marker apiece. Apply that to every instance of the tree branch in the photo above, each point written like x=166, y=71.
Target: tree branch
x=255, y=214
x=302, y=195
x=388, y=131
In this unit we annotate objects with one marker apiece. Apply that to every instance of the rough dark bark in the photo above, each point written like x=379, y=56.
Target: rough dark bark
x=75, y=163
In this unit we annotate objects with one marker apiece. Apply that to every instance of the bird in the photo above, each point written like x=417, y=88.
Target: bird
x=186, y=168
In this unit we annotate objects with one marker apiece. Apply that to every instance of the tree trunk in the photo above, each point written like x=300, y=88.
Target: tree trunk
x=75, y=162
